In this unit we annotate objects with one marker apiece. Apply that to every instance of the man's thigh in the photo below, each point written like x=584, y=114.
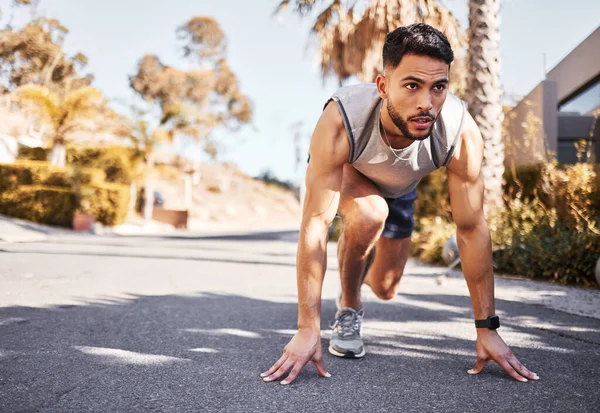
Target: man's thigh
x=359, y=194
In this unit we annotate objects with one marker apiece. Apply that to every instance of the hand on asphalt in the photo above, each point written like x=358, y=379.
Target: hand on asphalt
x=491, y=347
x=305, y=346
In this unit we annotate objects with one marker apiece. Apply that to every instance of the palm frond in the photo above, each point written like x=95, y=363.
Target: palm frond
x=43, y=102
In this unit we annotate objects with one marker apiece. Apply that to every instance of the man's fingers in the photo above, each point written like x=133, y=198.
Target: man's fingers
x=294, y=373
x=281, y=370
x=321, y=367
x=277, y=364
x=479, y=365
x=510, y=370
x=521, y=369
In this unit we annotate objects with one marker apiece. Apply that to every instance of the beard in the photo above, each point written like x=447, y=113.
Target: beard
x=402, y=123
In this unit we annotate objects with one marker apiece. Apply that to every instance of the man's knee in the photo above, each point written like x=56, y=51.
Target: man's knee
x=387, y=287
x=367, y=214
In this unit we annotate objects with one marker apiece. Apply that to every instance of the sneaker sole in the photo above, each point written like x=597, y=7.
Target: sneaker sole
x=347, y=354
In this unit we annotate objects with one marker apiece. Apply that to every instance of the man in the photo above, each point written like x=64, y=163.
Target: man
x=371, y=146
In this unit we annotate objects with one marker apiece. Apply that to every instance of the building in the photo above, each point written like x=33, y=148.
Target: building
x=559, y=111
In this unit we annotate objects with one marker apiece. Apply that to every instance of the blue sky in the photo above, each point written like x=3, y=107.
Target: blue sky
x=274, y=61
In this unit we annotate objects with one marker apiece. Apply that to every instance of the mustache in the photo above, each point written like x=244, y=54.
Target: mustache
x=422, y=115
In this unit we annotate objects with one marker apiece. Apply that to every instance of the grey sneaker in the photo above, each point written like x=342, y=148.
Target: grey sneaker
x=345, y=334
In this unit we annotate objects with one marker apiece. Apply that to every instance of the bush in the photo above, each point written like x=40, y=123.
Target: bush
x=42, y=174
x=432, y=196
x=541, y=250
x=35, y=191
x=551, y=229
x=45, y=205
x=109, y=203
x=428, y=241
x=112, y=160
x=522, y=182
x=117, y=162
x=33, y=154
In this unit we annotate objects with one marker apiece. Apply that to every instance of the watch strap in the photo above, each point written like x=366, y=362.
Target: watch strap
x=492, y=322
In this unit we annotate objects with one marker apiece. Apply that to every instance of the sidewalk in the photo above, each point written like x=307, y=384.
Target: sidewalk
x=16, y=230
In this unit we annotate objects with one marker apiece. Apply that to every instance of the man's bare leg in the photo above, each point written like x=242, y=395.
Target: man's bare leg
x=363, y=211
x=388, y=266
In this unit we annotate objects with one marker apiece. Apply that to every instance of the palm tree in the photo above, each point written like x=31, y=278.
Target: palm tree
x=484, y=93
x=63, y=114
x=350, y=37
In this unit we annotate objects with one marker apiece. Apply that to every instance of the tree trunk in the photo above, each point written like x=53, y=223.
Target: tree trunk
x=58, y=154
x=149, y=189
x=484, y=93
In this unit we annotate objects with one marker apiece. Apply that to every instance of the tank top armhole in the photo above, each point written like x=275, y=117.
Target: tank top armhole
x=458, y=133
x=346, y=125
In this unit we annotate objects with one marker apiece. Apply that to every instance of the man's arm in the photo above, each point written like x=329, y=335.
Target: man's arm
x=329, y=151
x=465, y=185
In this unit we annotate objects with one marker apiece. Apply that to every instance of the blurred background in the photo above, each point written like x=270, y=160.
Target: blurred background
x=130, y=117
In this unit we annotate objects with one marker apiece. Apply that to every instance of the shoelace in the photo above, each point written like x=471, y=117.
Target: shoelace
x=348, y=323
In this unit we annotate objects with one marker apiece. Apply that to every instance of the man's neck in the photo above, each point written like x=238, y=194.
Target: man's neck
x=395, y=138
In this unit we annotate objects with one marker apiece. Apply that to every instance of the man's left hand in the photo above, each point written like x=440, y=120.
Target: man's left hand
x=491, y=347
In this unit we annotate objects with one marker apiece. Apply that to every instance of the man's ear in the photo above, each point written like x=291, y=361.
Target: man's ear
x=381, y=86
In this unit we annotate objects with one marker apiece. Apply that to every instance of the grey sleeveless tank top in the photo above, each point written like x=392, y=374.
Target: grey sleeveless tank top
x=395, y=174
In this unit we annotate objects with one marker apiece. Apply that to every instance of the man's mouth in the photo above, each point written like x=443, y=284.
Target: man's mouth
x=421, y=122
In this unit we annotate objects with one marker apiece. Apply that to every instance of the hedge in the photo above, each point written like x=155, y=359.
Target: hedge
x=117, y=162
x=109, y=203
x=45, y=205
x=35, y=191
x=42, y=174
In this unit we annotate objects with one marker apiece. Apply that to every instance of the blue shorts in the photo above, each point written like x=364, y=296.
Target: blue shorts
x=400, y=221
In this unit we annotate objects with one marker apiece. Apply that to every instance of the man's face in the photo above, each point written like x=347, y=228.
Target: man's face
x=415, y=92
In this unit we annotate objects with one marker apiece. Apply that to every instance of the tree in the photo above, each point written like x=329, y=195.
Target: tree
x=190, y=103
x=34, y=54
x=82, y=109
x=350, y=34
x=484, y=93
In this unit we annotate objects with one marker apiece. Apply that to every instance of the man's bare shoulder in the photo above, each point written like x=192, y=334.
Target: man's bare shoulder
x=330, y=139
x=468, y=155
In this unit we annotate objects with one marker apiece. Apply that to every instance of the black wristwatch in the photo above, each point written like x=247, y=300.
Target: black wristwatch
x=492, y=322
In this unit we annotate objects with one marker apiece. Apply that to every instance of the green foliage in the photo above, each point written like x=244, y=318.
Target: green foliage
x=522, y=182
x=107, y=202
x=33, y=154
x=538, y=249
x=40, y=173
x=118, y=163
x=550, y=229
x=45, y=205
x=35, y=191
x=432, y=196
x=269, y=178
x=114, y=161
x=428, y=241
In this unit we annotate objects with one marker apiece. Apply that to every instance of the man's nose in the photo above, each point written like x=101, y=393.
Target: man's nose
x=425, y=104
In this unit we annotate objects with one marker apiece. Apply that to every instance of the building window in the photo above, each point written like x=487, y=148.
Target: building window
x=583, y=103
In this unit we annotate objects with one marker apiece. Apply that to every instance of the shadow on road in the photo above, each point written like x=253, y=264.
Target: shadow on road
x=204, y=352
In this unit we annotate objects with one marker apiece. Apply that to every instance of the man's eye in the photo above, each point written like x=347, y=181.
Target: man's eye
x=439, y=87
x=411, y=86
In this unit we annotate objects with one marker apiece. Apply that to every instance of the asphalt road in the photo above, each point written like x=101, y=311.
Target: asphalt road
x=187, y=324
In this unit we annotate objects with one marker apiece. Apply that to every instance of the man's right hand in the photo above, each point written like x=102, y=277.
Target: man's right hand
x=305, y=346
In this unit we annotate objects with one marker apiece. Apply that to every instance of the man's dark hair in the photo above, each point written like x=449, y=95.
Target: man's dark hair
x=420, y=39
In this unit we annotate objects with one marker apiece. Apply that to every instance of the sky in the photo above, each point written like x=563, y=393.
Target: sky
x=274, y=58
